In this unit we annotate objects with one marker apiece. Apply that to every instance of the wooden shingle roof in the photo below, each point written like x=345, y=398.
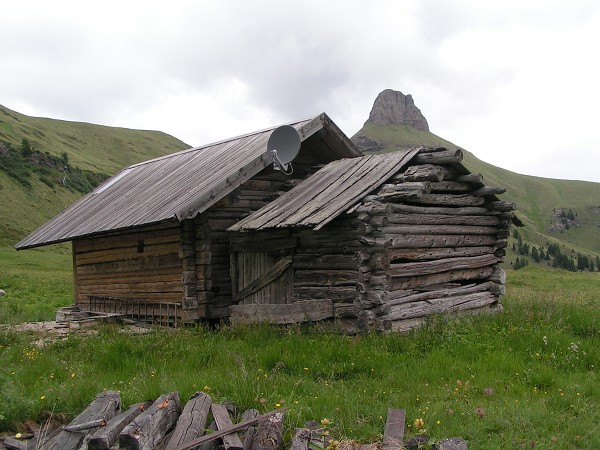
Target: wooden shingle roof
x=327, y=193
x=176, y=186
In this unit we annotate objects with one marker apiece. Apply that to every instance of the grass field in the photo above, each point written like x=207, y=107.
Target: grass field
x=526, y=377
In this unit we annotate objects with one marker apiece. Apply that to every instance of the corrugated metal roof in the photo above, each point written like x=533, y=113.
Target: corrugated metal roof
x=327, y=193
x=175, y=186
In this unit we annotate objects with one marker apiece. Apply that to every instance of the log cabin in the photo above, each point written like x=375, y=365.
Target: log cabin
x=218, y=232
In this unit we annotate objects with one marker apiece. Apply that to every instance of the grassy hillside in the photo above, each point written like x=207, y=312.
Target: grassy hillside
x=47, y=164
x=537, y=198
x=93, y=147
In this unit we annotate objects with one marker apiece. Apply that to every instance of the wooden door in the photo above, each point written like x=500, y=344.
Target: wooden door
x=261, y=278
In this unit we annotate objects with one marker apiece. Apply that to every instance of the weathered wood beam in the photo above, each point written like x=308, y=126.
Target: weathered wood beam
x=480, y=273
x=399, y=255
x=435, y=241
x=439, y=157
x=423, y=186
x=345, y=262
x=490, y=286
x=231, y=441
x=468, y=210
x=269, y=433
x=150, y=427
x=450, y=187
x=373, y=208
x=345, y=310
x=220, y=433
x=422, y=172
x=192, y=421
x=440, y=306
x=442, y=219
x=105, y=406
x=475, y=178
x=435, y=229
x=106, y=437
x=489, y=190
x=454, y=200
x=500, y=205
x=441, y=265
x=393, y=435
x=321, y=278
x=302, y=311
x=339, y=294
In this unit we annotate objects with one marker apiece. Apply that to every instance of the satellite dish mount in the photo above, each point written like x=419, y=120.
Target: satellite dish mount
x=283, y=147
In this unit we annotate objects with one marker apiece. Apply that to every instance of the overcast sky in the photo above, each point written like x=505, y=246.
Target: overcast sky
x=515, y=82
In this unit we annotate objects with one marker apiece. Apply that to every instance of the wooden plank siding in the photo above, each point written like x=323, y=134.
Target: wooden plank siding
x=139, y=265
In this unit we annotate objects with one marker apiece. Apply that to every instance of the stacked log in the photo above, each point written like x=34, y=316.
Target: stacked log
x=161, y=423
x=325, y=268
x=434, y=239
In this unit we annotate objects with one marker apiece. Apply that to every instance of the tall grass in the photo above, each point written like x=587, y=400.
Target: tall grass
x=525, y=377
x=36, y=283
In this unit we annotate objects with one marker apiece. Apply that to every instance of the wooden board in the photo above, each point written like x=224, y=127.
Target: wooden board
x=230, y=441
x=304, y=311
x=393, y=435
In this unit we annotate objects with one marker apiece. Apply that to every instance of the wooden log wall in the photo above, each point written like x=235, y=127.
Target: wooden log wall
x=325, y=266
x=141, y=264
x=434, y=239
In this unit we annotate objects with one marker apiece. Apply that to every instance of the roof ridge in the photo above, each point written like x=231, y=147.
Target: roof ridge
x=201, y=147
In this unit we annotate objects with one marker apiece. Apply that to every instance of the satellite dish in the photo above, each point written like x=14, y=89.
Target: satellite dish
x=283, y=147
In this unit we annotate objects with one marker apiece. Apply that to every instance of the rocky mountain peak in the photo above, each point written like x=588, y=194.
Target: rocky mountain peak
x=393, y=107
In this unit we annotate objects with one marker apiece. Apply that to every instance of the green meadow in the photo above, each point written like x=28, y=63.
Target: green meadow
x=524, y=378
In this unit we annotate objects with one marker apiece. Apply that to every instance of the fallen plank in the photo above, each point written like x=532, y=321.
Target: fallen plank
x=230, y=441
x=151, y=426
x=192, y=421
x=220, y=433
x=105, y=437
x=105, y=406
x=393, y=436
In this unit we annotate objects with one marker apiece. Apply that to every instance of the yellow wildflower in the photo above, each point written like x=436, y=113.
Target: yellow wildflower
x=419, y=423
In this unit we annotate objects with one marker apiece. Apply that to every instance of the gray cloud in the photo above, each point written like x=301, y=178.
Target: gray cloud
x=483, y=73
